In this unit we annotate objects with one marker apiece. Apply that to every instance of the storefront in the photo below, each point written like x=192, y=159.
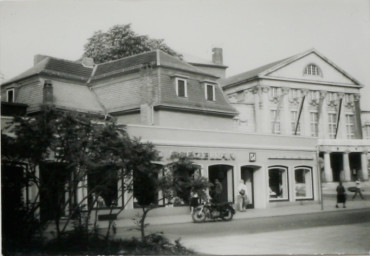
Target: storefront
x=275, y=168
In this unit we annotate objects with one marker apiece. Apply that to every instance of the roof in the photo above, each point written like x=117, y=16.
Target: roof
x=76, y=71
x=268, y=68
x=56, y=67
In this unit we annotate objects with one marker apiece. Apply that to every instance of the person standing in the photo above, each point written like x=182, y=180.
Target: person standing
x=358, y=190
x=194, y=200
x=341, y=195
x=242, y=196
x=217, y=191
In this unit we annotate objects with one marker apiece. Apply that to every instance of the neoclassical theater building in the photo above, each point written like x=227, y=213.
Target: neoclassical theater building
x=283, y=128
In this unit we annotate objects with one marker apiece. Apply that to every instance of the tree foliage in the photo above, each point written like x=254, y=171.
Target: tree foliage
x=121, y=41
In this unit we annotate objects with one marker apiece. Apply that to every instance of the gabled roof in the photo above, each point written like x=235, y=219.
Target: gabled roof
x=274, y=66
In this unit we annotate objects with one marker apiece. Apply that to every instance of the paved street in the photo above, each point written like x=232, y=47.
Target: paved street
x=326, y=232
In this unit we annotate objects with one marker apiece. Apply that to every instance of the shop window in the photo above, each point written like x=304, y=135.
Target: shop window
x=210, y=92
x=10, y=95
x=104, y=185
x=303, y=183
x=181, y=87
x=278, y=183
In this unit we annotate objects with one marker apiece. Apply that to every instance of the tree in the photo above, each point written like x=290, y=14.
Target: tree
x=163, y=185
x=66, y=148
x=121, y=41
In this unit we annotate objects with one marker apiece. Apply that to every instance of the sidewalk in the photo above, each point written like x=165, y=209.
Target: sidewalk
x=306, y=208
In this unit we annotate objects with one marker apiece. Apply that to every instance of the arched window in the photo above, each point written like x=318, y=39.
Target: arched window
x=312, y=70
x=303, y=182
x=278, y=183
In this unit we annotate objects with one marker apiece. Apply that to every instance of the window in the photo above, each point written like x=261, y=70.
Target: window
x=348, y=98
x=273, y=92
x=293, y=121
x=278, y=183
x=210, y=92
x=312, y=70
x=294, y=93
x=10, y=95
x=181, y=88
x=314, y=124
x=332, y=125
x=332, y=96
x=303, y=182
x=314, y=95
x=275, y=121
x=367, y=132
x=350, y=126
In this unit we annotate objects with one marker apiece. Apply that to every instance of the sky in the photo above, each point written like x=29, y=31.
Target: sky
x=251, y=33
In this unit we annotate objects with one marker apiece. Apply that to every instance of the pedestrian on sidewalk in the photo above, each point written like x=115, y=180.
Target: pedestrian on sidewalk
x=194, y=200
x=341, y=195
x=358, y=190
x=242, y=196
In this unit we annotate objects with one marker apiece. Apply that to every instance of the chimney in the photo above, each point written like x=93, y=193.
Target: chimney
x=87, y=62
x=37, y=58
x=217, y=56
x=48, y=92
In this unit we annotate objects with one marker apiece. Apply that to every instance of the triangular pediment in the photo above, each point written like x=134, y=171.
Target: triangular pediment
x=294, y=69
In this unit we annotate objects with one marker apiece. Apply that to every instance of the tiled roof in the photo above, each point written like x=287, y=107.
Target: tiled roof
x=56, y=67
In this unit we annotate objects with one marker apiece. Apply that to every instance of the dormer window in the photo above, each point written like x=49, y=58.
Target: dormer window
x=312, y=70
x=210, y=92
x=10, y=95
x=181, y=88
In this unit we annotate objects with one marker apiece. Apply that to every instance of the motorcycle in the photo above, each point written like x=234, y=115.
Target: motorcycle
x=213, y=211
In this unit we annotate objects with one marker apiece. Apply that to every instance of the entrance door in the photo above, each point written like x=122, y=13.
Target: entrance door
x=224, y=174
x=246, y=174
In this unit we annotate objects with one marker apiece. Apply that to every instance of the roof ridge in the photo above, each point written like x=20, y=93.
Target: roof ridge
x=127, y=57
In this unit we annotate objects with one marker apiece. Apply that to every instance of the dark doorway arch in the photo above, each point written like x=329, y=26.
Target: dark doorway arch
x=225, y=175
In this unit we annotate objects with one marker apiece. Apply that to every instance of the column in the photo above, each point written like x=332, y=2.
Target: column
x=285, y=113
x=327, y=167
x=266, y=120
x=346, y=168
x=257, y=111
x=120, y=190
x=364, y=166
x=82, y=192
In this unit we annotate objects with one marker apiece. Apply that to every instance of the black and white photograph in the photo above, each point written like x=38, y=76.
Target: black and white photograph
x=185, y=127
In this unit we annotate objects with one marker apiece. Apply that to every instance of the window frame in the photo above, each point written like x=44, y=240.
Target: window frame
x=7, y=94
x=185, y=87
x=350, y=126
x=294, y=122
x=332, y=124
x=314, y=124
x=311, y=196
x=286, y=185
x=276, y=124
x=312, y=70
x=213, y=91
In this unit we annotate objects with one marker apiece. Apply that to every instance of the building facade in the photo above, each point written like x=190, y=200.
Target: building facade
x=268, y=126
x=306, y=95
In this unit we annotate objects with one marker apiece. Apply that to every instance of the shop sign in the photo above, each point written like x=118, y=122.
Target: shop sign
x=252, y=157
x=203, y=155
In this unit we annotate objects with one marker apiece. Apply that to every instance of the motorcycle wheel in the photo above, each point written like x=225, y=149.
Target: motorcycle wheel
x=227, y=215
x=199, y=216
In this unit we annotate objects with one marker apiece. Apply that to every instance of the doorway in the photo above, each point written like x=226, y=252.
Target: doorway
x=336, y=160
x=224, y=174
x=246, y=174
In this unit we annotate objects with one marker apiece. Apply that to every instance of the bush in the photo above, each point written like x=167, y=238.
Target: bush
x=78, y=242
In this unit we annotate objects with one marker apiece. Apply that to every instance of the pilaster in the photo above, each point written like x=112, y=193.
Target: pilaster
x=364, y=166
x=266, y=119
x=323, y=116
x=285, y=117
x=346, y=167
x=327, y=167
x=305, y=116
